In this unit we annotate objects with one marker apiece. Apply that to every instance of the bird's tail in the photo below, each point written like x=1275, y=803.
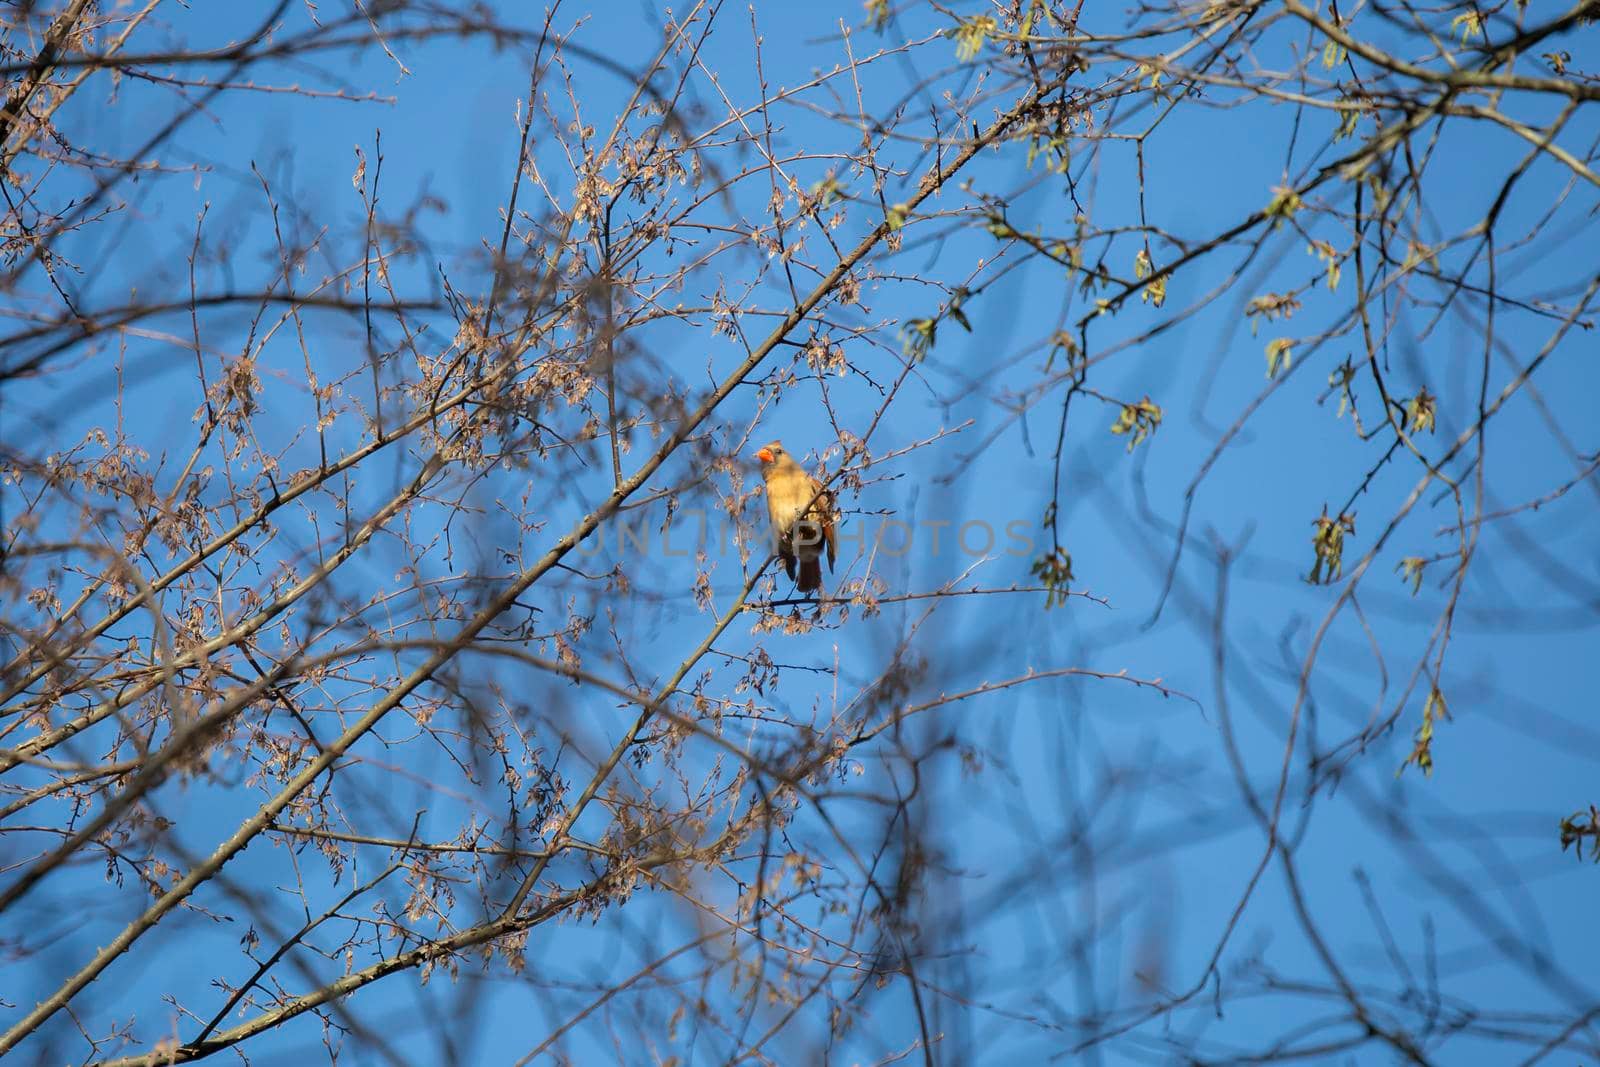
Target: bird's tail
x=810, y=575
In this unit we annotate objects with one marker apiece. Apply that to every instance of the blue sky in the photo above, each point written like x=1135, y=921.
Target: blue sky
x=1144, y=779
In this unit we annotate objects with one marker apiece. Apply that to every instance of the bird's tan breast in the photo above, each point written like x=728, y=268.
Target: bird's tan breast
x=787, y=498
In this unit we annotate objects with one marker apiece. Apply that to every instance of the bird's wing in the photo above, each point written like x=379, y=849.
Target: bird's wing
x=824, y=506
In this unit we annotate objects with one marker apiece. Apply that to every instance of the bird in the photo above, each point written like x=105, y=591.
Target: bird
x=802, y=516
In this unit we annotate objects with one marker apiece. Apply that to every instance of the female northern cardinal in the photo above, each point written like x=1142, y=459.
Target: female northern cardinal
x=802, y=516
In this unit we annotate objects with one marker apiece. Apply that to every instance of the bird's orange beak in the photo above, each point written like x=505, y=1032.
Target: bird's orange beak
x=764, y=455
